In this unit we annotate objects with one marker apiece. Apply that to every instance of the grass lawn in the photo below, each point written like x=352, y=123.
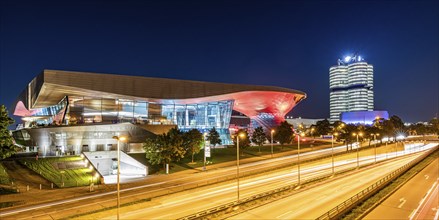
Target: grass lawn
x=4, y=177
x=69, y=170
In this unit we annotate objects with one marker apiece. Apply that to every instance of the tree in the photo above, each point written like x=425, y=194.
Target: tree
x=165, y=148
x=213, y=137
x=397, y=122
x=258, y=137
x=388, y=128
x=345, y=134
x=244, y=141
x=7, y=146
x=192, y=142
x=322, y=127
x=372, y=132
x=284, y=133
x=435, y=125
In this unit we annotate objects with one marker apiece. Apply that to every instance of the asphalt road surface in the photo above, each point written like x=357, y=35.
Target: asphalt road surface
x=314, y=202
x=306, y=204
x=417, y=199
x=199, y=198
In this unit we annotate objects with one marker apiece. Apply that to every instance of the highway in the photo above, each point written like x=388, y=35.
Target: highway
x=249, y=186
x=417, y=199
x=158, y=185
x=314, y=202
x=176, y=206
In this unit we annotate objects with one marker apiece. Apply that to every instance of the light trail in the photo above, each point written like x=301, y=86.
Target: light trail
x=310, y=171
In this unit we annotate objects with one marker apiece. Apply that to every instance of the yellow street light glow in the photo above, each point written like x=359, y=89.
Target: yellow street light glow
x=272, y=131
x=359, y=134
x=336, y=134
x=242, y=135
x=120, y=138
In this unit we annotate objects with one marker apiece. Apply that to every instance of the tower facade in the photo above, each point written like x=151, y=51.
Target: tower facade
x=351, y=86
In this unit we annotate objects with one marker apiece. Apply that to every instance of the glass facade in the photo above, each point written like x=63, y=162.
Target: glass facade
x=74, y=110
x=52, y=115
x=351, y=87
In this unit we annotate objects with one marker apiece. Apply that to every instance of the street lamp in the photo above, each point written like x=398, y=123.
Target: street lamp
x=375, y=144
x=298, y=157
x=204, y=142
x=237, y=160
x=332, y=150
x=272, y=131
x=119, y=139
x=361, y=135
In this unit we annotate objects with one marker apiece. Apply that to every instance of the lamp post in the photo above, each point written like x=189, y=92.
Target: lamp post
x=237, y=162
x=118, y=138
x=204, y=144
x=272, y=131
x=332, y=150
x=358, y=159
x=375, y=145
x=298, y=157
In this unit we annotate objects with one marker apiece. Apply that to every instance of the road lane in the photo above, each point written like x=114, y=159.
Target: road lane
x=402, y=203
x=73, y=206
x=314, y=202
x=429, y=206
x=177, y=205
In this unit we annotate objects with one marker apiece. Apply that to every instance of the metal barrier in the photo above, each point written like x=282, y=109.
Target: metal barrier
x=331, y=214
x=345, y=206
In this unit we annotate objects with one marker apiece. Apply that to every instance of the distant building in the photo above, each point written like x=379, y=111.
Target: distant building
x=363, y=117
x=306, y=122
x=351, y=86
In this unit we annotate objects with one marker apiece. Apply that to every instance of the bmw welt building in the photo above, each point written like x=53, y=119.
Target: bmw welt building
x=66, y=112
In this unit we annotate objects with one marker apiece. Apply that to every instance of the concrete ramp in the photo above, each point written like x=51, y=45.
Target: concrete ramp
x=105, y=162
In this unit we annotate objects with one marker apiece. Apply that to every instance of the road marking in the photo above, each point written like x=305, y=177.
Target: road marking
x=426, y=177
x=286, y=213
x=412, y=215
x=402, y=201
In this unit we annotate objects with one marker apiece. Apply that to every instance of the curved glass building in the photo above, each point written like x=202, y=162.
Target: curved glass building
x=351, y=87
x=66, y=111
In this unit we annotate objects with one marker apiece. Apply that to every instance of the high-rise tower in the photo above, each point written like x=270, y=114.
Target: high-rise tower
x=351, y=86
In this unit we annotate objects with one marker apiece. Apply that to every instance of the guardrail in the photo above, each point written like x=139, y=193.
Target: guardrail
x=342, y=208
x=243, y=201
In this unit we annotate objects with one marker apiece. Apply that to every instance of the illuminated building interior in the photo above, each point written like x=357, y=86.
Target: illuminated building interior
x=351, y=86
x=61, y=105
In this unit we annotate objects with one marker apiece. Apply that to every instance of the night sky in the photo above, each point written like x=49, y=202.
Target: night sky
x=289, y=44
